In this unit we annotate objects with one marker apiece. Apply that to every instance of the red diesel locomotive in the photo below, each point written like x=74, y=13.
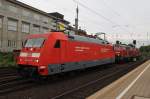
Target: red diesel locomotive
x=124, y=53
x=57, y=52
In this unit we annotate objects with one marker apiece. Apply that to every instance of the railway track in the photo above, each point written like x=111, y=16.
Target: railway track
x=80, y=92
x=85, y=83
x=10, y=81
x=6, y=71
x=14, y=84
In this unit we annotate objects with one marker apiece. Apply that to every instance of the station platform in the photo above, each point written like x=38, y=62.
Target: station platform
x=134, y=85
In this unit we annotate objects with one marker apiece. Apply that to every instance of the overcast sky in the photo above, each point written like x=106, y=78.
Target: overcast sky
x=119, y=19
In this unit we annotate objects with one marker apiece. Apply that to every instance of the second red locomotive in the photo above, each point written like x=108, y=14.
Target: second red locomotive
x=125, y=53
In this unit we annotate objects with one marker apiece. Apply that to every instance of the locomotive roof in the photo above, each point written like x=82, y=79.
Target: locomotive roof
x=88, y=39
x=72, y=37
x=124, y=45
x=45, y=35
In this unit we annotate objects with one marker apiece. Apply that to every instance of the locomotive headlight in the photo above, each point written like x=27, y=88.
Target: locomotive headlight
x=23, y=54
x=42, y=67
x=35, y=54
x=37, y=60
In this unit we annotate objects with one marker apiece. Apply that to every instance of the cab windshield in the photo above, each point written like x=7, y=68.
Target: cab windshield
x=35, y=42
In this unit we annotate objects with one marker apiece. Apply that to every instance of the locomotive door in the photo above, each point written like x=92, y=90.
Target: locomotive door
x=63, y=54
x=63, y=51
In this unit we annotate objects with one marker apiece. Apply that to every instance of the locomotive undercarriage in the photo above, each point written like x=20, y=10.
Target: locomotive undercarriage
x=125, y=59
x=28, y=71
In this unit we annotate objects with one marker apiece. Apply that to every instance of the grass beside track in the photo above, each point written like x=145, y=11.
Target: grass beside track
x=7, y=60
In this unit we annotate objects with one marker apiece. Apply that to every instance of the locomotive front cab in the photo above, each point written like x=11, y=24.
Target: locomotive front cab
x=29, y=60
x=41, y=51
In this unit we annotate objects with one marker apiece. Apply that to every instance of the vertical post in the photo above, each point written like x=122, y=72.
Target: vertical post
x=76, y=19
x=104, y=36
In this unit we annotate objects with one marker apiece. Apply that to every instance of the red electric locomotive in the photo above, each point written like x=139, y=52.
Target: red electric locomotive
x=56, y=52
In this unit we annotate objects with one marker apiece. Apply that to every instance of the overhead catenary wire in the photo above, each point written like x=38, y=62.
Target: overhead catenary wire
x=98, y=14
x=122, y=27
x=114, y=11
x=107, y=6
x=93, y=11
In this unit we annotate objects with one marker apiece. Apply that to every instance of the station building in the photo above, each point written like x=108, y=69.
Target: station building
x=18, y=20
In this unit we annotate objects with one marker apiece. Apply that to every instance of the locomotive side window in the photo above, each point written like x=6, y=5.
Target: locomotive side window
x=57, y=44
